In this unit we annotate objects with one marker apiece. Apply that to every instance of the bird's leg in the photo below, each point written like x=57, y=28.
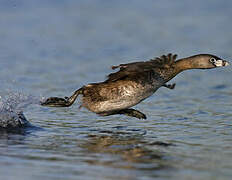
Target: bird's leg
x=170, y=86
x=127, y=112
x=132, y=113
x=62, y=102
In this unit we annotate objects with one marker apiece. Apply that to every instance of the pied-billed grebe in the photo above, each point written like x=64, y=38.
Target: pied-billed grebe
x=133, y=83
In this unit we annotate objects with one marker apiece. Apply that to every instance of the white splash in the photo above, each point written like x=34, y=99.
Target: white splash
x=11, y=109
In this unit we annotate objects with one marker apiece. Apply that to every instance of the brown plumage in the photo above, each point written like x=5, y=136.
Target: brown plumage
x=133, y=83
x=136, y=68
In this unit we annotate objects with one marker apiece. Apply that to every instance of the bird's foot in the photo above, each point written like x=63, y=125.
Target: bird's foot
x=133, y=113
x=56, y=102
x=170, y=86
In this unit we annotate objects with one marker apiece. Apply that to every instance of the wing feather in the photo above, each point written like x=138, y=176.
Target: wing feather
x=132, y=69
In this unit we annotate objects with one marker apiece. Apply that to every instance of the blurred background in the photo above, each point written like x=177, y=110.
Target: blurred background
x=52, y=47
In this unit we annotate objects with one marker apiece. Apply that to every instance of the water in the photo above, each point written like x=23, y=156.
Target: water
x=51, y=48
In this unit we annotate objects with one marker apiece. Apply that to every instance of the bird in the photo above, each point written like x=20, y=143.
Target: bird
x=133, y=83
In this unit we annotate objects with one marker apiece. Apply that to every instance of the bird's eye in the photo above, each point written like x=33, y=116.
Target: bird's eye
x=213, y=60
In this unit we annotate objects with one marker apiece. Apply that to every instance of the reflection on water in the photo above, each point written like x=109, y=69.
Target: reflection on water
x=129, y=150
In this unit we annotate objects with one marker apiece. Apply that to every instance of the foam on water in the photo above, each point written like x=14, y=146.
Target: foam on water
x=12, y=107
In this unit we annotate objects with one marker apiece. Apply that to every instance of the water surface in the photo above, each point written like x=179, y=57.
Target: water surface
x=51, y=48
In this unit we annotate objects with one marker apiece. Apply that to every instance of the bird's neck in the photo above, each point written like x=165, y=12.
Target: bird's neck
x=192, y=62
x=180, y=65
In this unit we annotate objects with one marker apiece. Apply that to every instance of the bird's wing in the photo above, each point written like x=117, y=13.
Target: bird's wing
x=135, y=68
x=164, y=61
